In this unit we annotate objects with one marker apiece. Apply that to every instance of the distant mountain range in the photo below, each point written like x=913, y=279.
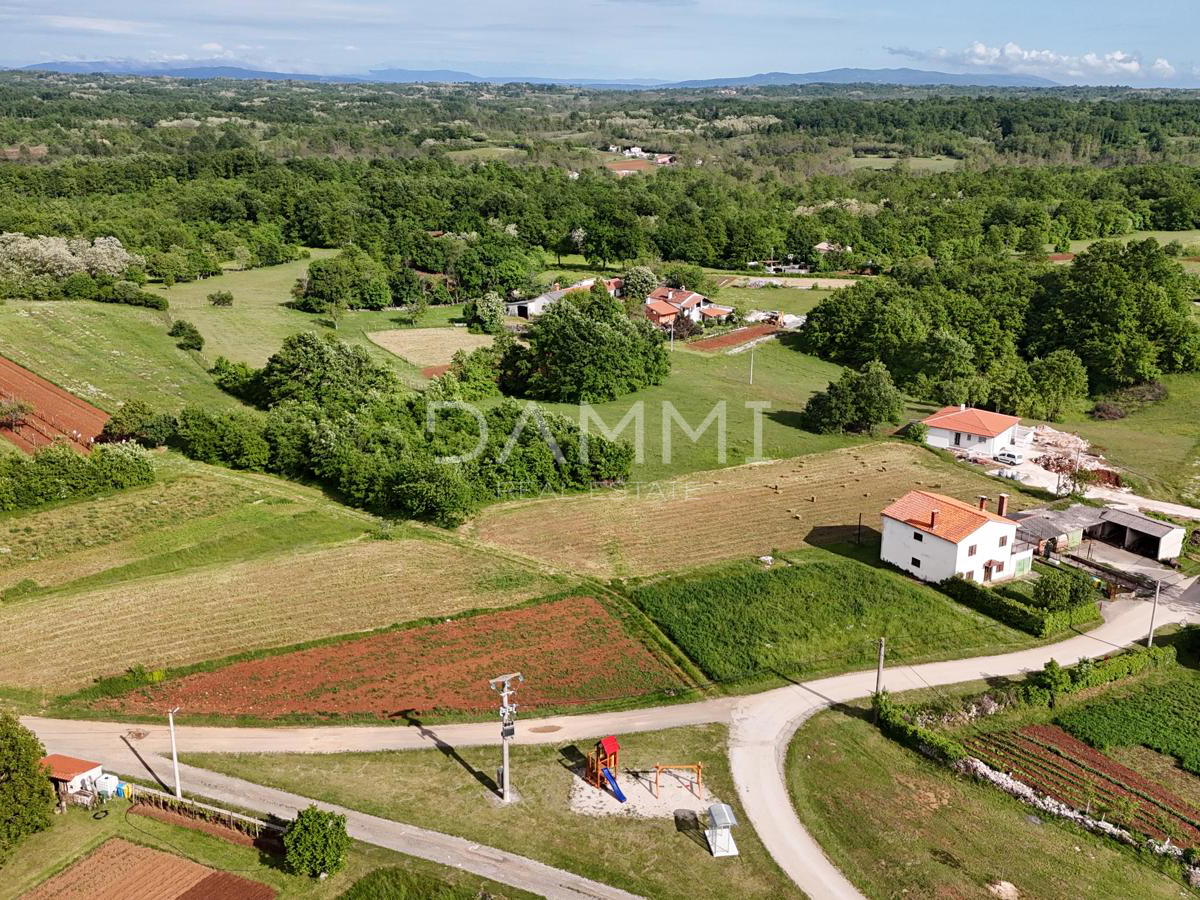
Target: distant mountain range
x=221, y=69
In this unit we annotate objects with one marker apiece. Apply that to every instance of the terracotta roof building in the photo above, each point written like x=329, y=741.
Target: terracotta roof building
x=970, y=430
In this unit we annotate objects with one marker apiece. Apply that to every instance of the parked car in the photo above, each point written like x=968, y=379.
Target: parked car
x=1010, y=456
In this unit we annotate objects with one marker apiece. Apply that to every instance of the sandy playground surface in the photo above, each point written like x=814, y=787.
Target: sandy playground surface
x=676, y=794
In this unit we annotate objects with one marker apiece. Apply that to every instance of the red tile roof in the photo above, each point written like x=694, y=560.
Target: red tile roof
x=64, y=768
x=677, y=297
x=956, y=520
x=716, y=311
x=662, y=308
x=971, y=421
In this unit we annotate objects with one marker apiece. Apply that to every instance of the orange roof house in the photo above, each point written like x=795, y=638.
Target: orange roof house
x=942, y=516
x=969, y=420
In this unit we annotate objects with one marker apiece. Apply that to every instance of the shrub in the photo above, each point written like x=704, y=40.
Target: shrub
x=485, y=313
x=59, y=473
x=316, y=842
x=221, y=298
x=130, y=294
x=1107, y=411
x=189, y=337
x=1022, y=616
x=894, y=724
x=235, y=438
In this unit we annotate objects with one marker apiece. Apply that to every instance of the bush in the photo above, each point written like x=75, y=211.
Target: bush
x=316, y=842
x=858, y=401
x=893, y=723
x=1013, y=612
x=221, y=298
x=1107, y=411
x=189, y=337
x=485, y=313
x=130, y=294
x=59, y=473
x=234, y=438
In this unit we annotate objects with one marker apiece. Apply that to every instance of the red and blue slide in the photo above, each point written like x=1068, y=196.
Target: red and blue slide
x=612, y=782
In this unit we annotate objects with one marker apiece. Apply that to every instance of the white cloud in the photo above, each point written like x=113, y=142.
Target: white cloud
x=95, y=25
x=212, y=47
x=1013, y=58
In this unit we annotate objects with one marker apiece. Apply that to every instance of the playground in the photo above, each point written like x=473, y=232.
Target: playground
x=650, y=791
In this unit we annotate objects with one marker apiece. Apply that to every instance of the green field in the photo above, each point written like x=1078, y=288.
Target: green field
x=78, y=832
x=794, y=301
x=917, y=164
x=648, y=857
x=698, y=381
x=106, y=353
x=488, y=154
x=823, y=613
x=898, y=824
x=1189, y=239
x=1159, y=444
x=254, y=327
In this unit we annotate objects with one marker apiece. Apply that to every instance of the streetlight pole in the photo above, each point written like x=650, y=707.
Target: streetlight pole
x=502, y=684
x=174, y=752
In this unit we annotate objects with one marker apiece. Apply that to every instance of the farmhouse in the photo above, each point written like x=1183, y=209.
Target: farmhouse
x=971, y=430
x=532, y=308
x=665, y=304
x=1064, y=530
x=936, y=537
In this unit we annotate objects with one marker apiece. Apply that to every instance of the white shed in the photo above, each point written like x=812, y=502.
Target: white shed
x=970, y=430
x=71, y=775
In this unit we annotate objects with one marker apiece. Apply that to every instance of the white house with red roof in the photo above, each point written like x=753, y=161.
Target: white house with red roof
x=936, y=537
x=535, y=306
x=665, y=304
x=975, y=431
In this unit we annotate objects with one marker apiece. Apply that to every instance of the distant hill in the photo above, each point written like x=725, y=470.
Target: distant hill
x=912, y=77
x=221, y=69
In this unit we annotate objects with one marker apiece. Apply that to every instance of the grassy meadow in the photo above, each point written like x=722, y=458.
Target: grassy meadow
x=649, y=857
x=813, y=612
x=916, y=164
x=898, y=824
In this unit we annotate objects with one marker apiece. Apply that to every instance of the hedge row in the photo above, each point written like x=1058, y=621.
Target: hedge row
x=59, y=473
x=1030, y=619
x=895, y=724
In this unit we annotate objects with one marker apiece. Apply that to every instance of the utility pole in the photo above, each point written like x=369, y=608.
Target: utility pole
x=174, y=752
x=1154, y=613
x=879, y=668
x=752, y=365
x=508, y=712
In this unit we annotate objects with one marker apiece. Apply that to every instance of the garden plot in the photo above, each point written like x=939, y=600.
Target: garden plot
x=425, y=347
x=118, y=870
x=571, y=650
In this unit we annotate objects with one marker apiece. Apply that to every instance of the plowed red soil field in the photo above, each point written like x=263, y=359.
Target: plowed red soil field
x=570, y=651
x=119, y=870
x=733, y=338
x=57, y=414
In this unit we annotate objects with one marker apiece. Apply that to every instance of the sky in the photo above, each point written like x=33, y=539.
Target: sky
x=1073, y=42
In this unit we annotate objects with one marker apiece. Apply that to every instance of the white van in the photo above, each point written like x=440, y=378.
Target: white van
x=1010, y=456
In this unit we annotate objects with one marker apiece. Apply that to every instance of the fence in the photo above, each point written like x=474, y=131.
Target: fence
x=47, y=427
x=205, y=812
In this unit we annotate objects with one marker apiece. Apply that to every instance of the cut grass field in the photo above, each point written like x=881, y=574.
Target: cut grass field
x=428, y=346
x=898, y=824
x=918, y=164
x=732, y=513
x=211, y=562
x=76, y=833
x=648, y=857
x=792, y=301
x=814, y=614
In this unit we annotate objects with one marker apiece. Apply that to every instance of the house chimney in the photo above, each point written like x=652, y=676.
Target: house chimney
x=983, y=501
x=933, y=514
x=1002, y=507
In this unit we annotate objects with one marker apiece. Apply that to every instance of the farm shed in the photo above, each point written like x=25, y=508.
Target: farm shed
x=70, y=774
x=1065, y=529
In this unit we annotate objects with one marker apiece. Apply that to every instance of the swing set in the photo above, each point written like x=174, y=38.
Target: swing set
x=697, y=783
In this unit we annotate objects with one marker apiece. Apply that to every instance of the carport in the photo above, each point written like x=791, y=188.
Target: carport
x=1138, y=534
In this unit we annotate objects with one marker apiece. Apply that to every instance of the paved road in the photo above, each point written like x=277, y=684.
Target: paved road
x=761, y=727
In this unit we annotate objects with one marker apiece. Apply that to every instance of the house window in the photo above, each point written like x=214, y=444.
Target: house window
x=1004, y=540
x=917, y=536
x=970, y=575
x=916, y=563
x=999, y=567
x=971, y=550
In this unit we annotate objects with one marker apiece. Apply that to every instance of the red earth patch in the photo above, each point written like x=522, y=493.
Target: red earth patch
x=570, y=651
x=57, y=414
x=733, y=338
